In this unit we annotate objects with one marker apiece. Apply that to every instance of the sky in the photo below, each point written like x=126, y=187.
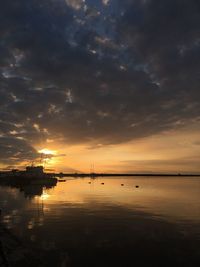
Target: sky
x=105, y=83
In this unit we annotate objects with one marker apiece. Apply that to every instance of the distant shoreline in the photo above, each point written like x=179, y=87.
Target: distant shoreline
x=123, y=174
x=94, y=175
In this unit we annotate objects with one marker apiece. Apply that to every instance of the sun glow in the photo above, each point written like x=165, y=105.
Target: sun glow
x=44, y=196
x=47, y=151
x=48, y=156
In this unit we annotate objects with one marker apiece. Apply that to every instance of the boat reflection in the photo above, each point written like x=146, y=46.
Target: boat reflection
x=32, y=190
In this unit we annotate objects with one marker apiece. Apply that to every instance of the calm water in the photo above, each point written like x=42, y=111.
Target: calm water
x=84, y=223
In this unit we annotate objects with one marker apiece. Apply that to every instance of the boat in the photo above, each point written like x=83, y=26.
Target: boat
x=32, y=175
x=61, y=180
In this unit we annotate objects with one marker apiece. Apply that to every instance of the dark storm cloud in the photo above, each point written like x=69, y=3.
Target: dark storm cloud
x=165, y=37
x=13, y=150
x=96, y=71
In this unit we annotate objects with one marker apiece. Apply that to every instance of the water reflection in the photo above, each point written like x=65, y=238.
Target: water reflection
x=87, y=223
x=30, y=190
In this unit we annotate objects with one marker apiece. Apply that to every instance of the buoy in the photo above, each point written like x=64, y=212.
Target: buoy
x=102, y=183
x=89, y=182
x=122, y=184
x=137, y=186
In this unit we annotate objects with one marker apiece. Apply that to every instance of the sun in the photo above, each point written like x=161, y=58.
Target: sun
x=47, y=151
x=44, y=196
x=48, y=156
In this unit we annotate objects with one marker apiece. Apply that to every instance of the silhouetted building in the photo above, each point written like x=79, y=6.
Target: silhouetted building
x=35, y=169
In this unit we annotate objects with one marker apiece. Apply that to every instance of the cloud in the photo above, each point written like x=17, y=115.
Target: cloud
x=76, y=4
x=176, y=165
x=13, y=151
x=130, y=71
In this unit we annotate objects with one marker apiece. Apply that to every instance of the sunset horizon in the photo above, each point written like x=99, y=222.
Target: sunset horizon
x=89, y=81
x=100, y=133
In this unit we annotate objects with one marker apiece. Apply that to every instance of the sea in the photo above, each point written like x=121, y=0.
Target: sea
x=108, y=221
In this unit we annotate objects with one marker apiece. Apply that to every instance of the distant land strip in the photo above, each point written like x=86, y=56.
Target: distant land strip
x=122, y=174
